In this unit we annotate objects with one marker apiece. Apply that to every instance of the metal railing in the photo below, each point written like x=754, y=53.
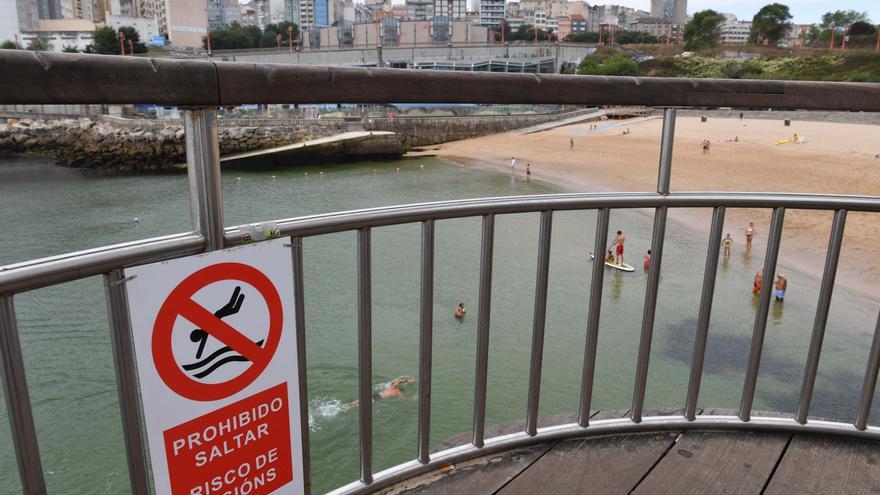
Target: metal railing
x=171, y=83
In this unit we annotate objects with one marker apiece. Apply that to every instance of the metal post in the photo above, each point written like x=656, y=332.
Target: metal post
x=203, y=168
x=705, y=311
x=540, y=318
x=126, y=380
x=666, y=141
x=745, y=410
x=648, y=314
x=365, y=354
x=483, y=329
x=663, y=179
x=296, y=251
x=870, y=383
x=426, y=332
x=18, y=402
x=589, y=370
x=831, y=259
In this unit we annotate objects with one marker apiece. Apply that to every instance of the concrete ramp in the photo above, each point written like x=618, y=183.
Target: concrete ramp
x=348, y=144
x=559, y=123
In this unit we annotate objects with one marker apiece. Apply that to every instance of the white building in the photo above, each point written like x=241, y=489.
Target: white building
x=61, y=33
x=735, y=32
x=146, y=28
x=491, y=12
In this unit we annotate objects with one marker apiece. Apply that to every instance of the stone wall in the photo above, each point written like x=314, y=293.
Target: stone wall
x=86, y=143
x=150, y=145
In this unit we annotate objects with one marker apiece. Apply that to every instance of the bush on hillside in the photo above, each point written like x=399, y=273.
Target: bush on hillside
x=608, y=62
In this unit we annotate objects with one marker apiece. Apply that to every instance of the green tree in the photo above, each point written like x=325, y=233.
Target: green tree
x=39, y=44
x=770, y=24
x=584, y=37
x=632, y=37
x=860, y=28
x=703, y=31
x=105, y=40
x=840, y=19
x=7, y=45
x=608, y=62
x=69, y=49
x=132, y=34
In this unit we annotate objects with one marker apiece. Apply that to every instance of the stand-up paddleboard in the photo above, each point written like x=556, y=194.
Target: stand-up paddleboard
x=622, y=267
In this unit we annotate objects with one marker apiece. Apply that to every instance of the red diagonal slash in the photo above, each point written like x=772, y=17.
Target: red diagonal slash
x=219, y=329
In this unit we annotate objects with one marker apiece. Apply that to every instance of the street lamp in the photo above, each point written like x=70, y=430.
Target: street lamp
x=121, y=43
x=289, y=39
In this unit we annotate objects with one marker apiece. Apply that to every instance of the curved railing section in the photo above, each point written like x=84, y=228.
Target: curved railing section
x=199, y=86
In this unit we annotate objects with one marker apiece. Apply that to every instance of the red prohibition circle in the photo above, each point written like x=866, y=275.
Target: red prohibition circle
x=180, y=304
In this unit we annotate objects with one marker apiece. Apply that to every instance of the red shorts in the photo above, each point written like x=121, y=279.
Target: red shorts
x=620, y=249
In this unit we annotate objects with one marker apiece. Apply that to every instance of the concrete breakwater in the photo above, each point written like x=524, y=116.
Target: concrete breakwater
x=152, y=145
x=148, y=147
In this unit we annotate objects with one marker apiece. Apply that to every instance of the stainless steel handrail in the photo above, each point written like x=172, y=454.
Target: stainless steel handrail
x=59, y=79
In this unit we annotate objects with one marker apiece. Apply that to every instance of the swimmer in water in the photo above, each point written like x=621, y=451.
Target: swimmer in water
x=459, y=312
x=388, y=391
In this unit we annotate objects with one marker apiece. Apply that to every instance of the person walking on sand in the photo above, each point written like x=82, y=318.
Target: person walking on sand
x=618, y=241
x=706, y=145
x=781, y=285
x=528, y=172
x=750, y=232
x=570, y=144
x=756, y=287
x=727, y=242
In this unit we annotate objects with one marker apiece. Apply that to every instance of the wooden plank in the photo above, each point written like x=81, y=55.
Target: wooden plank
x=716, y=462
x=482, y=475
x=612, y=464
x=821, y=464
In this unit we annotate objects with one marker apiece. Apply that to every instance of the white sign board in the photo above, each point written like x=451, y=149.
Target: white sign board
x=216, y=357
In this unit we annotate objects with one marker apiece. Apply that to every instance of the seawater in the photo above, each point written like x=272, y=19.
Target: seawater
x=46, y=210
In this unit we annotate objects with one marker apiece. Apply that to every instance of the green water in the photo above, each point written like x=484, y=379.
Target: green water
x=46, y=210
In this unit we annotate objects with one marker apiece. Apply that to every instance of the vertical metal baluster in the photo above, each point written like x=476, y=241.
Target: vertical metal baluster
x=663, y=179
x=203, y=168
x=365, y=354
x=296, y=251
x=483, y=329
x=705, y=311
x=18, y=402
x=748, y=395
x=589, y=369
x=667, y=139
x=831, y=259
x=126, y=380
x=540, y=318
x=648, y=315
x=870, y=383
x=426, y=336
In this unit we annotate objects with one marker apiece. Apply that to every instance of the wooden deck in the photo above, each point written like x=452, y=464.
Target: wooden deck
x=671, y=462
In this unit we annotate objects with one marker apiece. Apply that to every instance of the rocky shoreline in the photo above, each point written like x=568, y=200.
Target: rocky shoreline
x=152, y=147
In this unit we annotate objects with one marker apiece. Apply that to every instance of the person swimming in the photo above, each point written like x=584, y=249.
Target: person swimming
x=390, y=390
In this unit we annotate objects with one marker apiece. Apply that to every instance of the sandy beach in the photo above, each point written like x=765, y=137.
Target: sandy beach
x=833, y=159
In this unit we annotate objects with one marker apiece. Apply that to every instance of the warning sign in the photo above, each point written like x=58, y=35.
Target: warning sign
x=216, y=357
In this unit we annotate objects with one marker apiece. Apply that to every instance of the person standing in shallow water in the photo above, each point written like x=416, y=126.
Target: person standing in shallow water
x=459, y=312
x=750, y=232
x=781, y=286
x=727, y=242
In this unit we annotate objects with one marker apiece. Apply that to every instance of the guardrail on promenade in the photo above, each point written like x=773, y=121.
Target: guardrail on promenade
x=200, y=86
